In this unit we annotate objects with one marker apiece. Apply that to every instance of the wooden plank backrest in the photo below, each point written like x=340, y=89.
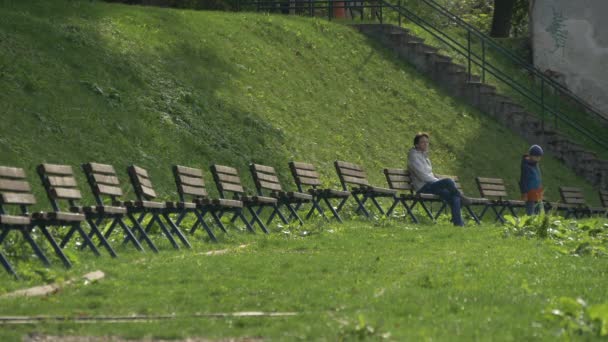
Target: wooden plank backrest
x=304, y=174
x=14, y=188
x=265, y=177
x=140, y=179
x=350, y=173
x=491, y=187
x=572, y=195
x=398, y=179
x=227, y=179
x=189, y=182
x=59, y=183
x=103, y=180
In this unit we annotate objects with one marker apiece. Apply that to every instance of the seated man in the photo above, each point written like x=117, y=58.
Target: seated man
x=424, y=181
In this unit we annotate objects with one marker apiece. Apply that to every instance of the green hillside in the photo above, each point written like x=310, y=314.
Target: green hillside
x=88, y=81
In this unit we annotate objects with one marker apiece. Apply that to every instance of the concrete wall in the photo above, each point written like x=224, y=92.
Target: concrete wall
x=570, y=43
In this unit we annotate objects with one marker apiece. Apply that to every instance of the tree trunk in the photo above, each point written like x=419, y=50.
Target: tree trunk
x=501, y=20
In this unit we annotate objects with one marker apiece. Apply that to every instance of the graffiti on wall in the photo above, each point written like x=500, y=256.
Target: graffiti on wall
x=557, y=30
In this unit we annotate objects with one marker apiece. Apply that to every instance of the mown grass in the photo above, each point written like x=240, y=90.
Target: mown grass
x=88, y=81
x=383, y=279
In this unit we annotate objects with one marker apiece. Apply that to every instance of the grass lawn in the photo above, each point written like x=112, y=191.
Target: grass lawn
x=363, y=279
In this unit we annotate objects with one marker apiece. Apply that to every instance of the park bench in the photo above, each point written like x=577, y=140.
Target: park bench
x=15, y=198
x=305, y=174
x=228, y=181
x=574, y=200
x=475, y=201
x=400, y=181
x=267, y=182
x=354, y=179
x=61, y=186
x=146, y=204
x=191, y=186
x=495, y=191
x=105, y=185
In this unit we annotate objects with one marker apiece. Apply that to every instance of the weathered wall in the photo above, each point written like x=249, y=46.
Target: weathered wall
x=570, y=42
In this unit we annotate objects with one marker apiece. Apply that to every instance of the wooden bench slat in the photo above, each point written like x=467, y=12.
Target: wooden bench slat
x=347, y=165
x=101, y=168
x=106, y=180
x=264, y=168
x=148, y=191
x=232, y=187
x=57, y=169
x=482, y=180
x=14, y=185
x=353, y=173
x=397, y=172
x=493, y=193
x=62, y=181
x=497, y=187
x=219, y=169
x=270, y=186
x=309, y=181
x=65, y=193
x=140, y=171
x=189, y=171
x=192, y=181
x=194, y=191
x=145, y=182
x=398, y=178
x=307, y=173
x=267, y=177
x=570, y=189
x=229, y=179
x=400, y=186
x=355, y=180
x=12, y=172
x=303, y=166
x=109, y=190
x=18, y=198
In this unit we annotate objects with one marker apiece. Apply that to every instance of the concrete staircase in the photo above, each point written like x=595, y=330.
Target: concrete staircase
x=454, y=80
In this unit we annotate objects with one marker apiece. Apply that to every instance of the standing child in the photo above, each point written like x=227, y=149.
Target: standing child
x=530, y=181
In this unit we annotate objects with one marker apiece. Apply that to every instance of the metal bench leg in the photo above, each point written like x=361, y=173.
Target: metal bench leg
x=279, y=213
x=317, y=207
x=342, y=203
x=7, y=265
x=218, y=221
x=244, y=219
x=360, y=206
x=200, y=219
x=55, y=246
x=102, y=240
x=256, y=218
x=334, y=211
x=180, y=217
x=129, y=233
x=86, y=239
x=162, y=226
x=409, y=210
x=26, y=235
x=294, y=213
x=375, y=201
x=396, y=201
x=176, y=231
x=142, y=233
x=441, y=209
x=472, y=213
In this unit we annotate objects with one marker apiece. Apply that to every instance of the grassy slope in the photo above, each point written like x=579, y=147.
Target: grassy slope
x=82, y=81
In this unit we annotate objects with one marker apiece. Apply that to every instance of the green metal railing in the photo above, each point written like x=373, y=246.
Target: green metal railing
x=536, y=93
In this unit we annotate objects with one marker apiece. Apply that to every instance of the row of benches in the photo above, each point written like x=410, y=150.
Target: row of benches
x=63, y=193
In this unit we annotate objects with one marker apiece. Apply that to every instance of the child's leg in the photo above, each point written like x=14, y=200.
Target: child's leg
x=530, y=206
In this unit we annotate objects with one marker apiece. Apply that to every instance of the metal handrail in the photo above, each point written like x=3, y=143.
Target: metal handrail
x=473, y=59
